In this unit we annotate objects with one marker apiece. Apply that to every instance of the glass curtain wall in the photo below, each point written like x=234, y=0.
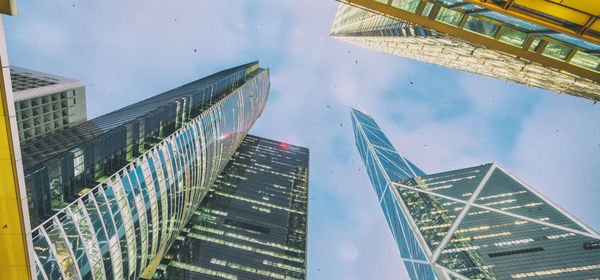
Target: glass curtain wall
x=117, y=228
x=62, y=166
x=473, y=223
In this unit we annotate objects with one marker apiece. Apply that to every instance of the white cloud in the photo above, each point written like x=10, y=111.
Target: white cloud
x=348, y=252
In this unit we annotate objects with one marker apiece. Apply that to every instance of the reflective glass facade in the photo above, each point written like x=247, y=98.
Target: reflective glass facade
x=252, y=223
x=121, y=228
x=62, y=166
x=468, y=37
x=473, y=223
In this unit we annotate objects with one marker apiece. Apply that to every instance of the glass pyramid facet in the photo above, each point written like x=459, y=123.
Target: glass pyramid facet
x=505, y=193
x=476, y=223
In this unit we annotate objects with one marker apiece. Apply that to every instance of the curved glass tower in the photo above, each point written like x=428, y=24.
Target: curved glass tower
x=473, y=223
x=121, y=228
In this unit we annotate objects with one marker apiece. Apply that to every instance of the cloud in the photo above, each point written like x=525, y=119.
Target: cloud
x=348, y=252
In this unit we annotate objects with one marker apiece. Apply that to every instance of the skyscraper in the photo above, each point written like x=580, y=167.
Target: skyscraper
x=45, y=103
x=112, y=193
x=62, y=166
x=473, y=223
x=252, y=223
x=474, y=38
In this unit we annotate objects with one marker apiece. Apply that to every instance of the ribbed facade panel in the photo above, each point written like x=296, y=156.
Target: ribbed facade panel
x=62, y=166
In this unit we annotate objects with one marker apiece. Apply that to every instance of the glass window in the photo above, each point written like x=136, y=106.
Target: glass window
x=392, y=164
x=410, y=269
x=449, y=16
x=112, y=200
x=557, y=51
x=585, y=60
x=97, y=226
x=46, y=256
x=534, y=44
x=513, y=37
x=513, y=21
x=76, y=245
x=424, y=271
x=407, y=5
x=61, y=247
x=427, y=9
x=482, y=27
x=88, y=237
x=130, y=197
x=575, y=41
x=39, y=274
x=78, y=161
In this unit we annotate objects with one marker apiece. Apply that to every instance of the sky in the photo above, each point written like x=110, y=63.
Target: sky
x=126, y=51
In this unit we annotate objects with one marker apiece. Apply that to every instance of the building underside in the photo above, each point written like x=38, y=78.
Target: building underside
x=467, y=37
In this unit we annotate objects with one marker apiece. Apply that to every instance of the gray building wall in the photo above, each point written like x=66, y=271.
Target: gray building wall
x=45, y=103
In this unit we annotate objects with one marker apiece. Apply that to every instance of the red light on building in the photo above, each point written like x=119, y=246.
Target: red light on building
x=284, y=146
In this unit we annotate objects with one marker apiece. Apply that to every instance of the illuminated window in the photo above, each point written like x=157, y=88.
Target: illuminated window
x=78, y=163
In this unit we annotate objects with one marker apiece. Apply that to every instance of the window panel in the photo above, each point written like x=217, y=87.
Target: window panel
x=585, y=60
x=482, y=27
x=449, y=16
x=556, y=51
x=513, y=37
x=407, y=5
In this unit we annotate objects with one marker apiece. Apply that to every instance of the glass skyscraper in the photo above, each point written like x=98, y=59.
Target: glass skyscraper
x=111, y=194
x=62, y=166
x=470, y=37
x=473, y=223
x=252, y=223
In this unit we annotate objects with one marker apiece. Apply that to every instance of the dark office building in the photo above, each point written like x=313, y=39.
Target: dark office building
x=252, y=223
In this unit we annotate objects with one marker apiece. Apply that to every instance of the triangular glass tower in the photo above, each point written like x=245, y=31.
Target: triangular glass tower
x=473, y=223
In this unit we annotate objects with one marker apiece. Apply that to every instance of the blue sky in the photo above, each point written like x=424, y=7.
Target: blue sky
x=447, y=119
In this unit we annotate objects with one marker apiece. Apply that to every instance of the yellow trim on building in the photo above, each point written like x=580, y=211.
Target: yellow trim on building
x=8, y=7
x=574, y=17
x=14, y=255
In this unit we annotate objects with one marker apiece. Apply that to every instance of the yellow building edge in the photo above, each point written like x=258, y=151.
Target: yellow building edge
x=15, y=231
x=8, y=7
x=549, y=13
